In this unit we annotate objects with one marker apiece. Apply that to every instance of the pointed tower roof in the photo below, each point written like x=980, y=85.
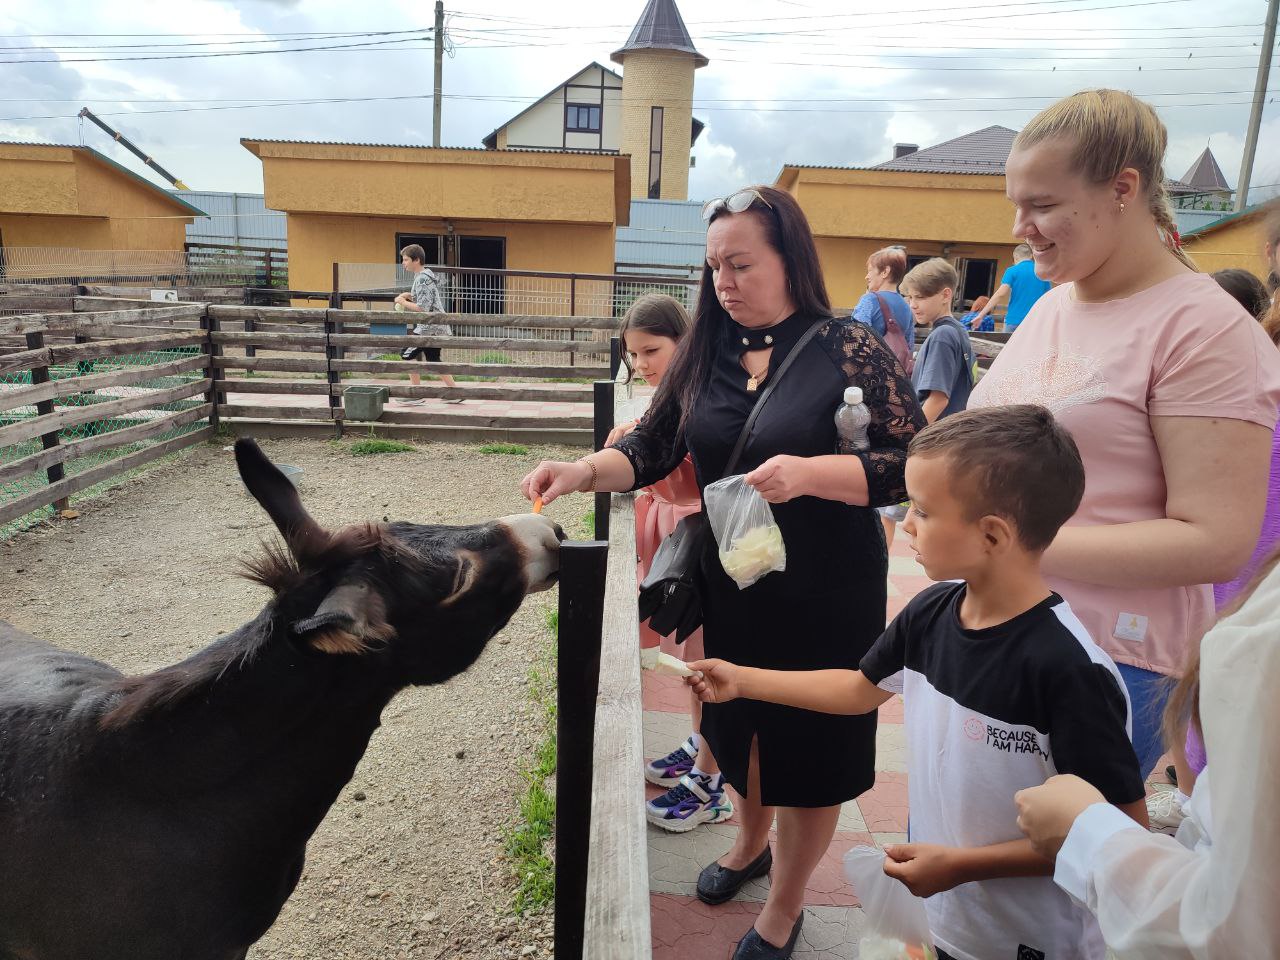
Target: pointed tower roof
x=660, y=27
x=1205, y=174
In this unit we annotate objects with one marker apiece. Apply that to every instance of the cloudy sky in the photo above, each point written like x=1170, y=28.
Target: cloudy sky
x=800, y=81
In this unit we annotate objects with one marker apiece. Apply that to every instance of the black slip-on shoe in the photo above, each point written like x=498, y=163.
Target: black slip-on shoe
x=717, y=884
x=755, y=947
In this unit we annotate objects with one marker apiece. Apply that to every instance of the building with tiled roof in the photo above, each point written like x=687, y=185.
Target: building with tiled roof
x=983, y=151
x=1206, y=186
x=646, y=112
x=944, y=200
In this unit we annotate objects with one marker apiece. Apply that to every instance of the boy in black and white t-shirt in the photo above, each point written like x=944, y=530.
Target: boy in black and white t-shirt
x=1003, y=687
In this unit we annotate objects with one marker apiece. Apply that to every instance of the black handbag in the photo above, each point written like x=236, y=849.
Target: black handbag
x=671, y=595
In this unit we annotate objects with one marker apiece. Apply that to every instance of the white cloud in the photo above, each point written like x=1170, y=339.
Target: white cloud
x=855, y=51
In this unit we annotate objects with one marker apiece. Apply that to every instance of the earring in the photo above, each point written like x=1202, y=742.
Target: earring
x=1122, y=206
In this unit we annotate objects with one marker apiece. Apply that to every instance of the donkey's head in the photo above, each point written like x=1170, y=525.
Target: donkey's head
x=426, y=597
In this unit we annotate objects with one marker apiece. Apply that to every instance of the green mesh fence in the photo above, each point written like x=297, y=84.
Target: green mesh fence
x=17, y=487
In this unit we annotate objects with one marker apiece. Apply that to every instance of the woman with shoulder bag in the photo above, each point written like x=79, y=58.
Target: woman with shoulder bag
x=762, y=298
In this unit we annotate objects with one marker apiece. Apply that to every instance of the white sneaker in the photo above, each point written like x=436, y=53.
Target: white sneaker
x=1164, y=810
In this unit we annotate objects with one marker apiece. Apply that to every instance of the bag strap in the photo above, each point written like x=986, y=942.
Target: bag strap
x=768, y=391
x=886, y=312
x=969, y=356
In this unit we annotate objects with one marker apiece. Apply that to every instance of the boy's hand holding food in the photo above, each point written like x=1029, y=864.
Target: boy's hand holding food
x=720, y=680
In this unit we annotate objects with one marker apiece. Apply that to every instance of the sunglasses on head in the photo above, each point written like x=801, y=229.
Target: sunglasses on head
x=734, y=203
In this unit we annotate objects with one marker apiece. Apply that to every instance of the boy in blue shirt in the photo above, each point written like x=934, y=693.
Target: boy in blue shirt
x=1002, y=687
x=1021, y=285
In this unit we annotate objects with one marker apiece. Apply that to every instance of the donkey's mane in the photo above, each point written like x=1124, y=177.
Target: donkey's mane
x=134, y=698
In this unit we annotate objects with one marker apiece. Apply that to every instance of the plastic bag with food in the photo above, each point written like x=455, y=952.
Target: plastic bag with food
x=747, y=536
x=897, y=925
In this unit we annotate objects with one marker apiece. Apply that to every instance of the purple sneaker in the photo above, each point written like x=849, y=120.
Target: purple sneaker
x=687, y=804
x=668, y=771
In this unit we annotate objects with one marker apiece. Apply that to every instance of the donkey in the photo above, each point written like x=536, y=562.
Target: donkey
x=166, y=816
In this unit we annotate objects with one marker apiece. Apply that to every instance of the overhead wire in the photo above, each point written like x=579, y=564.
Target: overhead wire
x=228, y=53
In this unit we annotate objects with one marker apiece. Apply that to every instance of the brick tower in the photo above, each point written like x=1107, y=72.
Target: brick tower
x=658, y=128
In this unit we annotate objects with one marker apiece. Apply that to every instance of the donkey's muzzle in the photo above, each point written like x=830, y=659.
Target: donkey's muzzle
x=538, y=540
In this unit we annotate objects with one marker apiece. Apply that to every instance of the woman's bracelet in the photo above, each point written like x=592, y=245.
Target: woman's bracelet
x=595, y=474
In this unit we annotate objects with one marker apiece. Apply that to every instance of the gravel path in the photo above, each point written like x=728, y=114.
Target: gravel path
x=409, y=862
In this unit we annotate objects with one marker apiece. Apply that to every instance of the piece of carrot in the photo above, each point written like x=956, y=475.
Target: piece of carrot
x=537, y=505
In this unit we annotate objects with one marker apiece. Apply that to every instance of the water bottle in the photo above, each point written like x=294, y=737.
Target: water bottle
x=852, y=420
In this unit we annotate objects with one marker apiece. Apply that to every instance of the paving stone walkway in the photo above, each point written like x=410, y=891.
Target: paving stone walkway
x=684, y=928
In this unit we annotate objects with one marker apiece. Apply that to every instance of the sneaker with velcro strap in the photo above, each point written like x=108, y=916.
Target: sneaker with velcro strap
x=689, y=803
x=667, y=771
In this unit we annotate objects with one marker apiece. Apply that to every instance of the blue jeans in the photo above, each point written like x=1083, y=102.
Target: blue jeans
x=1148, y=694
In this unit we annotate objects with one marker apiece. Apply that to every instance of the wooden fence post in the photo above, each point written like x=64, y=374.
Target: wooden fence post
x=250, y=325
x=209, y=324
x=615, y=357
x=583, y=568
x=602, y=424
x=40, y=375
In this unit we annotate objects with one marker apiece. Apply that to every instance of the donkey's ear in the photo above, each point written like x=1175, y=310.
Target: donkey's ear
x=278, y=497
x=351, y=616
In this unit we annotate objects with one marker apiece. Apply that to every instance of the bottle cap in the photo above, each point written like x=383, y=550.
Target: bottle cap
x=853, y=395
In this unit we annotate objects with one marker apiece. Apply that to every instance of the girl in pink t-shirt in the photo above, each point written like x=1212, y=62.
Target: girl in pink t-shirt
x=650, y=331
x=1169, y=388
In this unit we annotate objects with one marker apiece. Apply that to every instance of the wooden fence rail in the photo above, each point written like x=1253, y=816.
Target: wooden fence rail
x=617, y=906
x=280, y=370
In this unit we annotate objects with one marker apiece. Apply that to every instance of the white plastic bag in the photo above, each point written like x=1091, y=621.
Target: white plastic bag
x=748, y=538
x=897, y=925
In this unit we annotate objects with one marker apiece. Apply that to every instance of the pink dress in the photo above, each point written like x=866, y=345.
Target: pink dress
x=658, y=509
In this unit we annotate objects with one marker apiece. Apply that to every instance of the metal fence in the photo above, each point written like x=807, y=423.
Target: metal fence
x=199, y=265
x=74, y=421
x=519, y=292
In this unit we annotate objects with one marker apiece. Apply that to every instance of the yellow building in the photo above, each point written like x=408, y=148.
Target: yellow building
x=944, y=201
x=72, y=197
x=351, y=203
x=1234, y=241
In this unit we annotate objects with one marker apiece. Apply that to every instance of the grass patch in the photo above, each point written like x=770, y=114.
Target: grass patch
x=372, y=445
x=513, y=449
x=587, y=526
x=528, y=841
x=493, y=358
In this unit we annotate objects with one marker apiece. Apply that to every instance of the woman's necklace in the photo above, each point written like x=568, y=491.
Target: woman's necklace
x=753, y=379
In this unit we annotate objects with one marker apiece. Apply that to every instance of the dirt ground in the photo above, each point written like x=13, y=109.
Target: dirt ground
x=409, y=862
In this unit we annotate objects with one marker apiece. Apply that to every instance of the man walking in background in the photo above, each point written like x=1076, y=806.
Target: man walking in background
x=1021, y=285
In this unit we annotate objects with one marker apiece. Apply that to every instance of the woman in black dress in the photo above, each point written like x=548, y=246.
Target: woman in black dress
x=762, y=288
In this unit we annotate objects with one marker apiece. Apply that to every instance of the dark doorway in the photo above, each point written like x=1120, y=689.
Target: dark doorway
x=977, y=279
x=480, y=292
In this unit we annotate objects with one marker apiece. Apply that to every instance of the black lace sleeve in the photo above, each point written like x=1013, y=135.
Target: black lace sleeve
x=896, y=416
x=656, y=447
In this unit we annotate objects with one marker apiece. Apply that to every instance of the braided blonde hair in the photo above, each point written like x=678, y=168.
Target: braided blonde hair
x=1113, y=130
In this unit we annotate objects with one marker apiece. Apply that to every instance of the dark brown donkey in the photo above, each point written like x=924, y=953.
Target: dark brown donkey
x=166, y=816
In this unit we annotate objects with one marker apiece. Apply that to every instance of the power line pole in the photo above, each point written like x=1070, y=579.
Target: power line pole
x=1255, y=116
x=435, y=120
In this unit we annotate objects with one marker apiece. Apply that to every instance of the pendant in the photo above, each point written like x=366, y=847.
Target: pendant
x=753, y=384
